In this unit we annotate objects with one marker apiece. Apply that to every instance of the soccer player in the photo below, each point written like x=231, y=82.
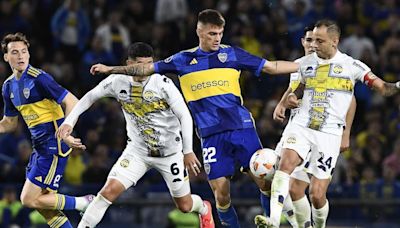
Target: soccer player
x=37, y=97
x=327, y=79
x=209, y=78
x=299, y=179
x=155, y=114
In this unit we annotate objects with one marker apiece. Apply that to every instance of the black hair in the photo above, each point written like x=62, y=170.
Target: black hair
x=140, y=49
x=210, y=16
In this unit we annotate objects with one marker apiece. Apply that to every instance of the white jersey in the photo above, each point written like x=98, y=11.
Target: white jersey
x=154, y=111
x=329, y=87
x=293, y=84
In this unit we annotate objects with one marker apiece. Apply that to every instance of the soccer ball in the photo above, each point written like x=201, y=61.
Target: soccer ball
x=262, y=163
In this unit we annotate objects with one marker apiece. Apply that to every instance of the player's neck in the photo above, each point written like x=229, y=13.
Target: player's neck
x=330, y=55
x=17, y=73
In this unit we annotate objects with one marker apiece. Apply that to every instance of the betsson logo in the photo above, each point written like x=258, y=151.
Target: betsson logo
x=208, y=84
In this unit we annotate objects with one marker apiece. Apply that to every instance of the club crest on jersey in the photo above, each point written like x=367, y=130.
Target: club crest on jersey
x=124, y=163
x=27, y=92
x=222, y=57
x=207, y=168
x=337, y=69
x=148, y=95
x=291, y=140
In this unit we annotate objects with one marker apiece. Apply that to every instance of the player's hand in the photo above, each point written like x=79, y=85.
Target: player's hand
x=100, y=69
x=192, y=163
x=279, y=113
x=345, y=144
x=64, y=131
x=74, y=143
x=292, y=101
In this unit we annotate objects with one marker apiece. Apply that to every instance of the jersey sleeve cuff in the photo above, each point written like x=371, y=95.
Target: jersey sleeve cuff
x=61, y=98
x=260, y=67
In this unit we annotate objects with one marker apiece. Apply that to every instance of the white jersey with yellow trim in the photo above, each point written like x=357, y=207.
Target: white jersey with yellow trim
x=154, y=111
x=329, y=87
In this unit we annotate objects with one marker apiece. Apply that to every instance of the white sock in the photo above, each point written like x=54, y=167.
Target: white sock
x=81, y=203
x=198, y=205
x=95, y=212
x=288, y=211
x=279, y=191
x=302, y=212
x=320, y=215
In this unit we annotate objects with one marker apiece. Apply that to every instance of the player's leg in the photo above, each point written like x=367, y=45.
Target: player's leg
x=321, y=167
x=295, y=149
x=129, y=168
x=44, y=172
x=299, y=182
x=98, y=207
x=176, y=177
x=320, y=204
x=245, y=143
x=219, y=165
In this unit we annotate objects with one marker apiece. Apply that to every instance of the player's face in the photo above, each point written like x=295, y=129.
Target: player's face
x=209, y=36
x=306, y=42
x=325, y=44
x=17, y=56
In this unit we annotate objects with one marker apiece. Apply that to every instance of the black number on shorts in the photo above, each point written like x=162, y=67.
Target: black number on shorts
x=174, y=169
x=324, y=164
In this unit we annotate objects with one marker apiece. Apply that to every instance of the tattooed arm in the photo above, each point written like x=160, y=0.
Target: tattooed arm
x=384, y=88
x=139, y=69
x=280, y=67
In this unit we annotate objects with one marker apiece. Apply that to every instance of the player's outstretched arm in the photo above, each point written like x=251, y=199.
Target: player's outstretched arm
x=69, y=102
x=140, y=69
x=8, y=124
x=384, y=88
x=280, y=67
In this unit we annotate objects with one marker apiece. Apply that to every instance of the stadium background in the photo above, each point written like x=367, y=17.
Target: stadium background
x=365, y=190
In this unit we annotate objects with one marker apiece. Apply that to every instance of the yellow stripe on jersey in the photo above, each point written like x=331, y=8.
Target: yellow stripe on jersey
x=43, y=111
x=33, y=72
x=320, y=84
x=212, y=82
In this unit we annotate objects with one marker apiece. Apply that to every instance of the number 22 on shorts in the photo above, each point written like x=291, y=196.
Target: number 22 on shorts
x=208, y=154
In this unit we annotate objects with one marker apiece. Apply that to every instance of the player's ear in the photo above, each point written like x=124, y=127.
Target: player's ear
x=5, y=57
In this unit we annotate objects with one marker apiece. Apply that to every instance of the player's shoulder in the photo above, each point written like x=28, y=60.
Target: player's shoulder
x=8, y=80
x=190, y=50
x=35, y=72
x=160, y=78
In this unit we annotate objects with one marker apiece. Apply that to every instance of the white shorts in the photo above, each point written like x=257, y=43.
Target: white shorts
x=324, y=148
x=300, y=172
x=131, y=166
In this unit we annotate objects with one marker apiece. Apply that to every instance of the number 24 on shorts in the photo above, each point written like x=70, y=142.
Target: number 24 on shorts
x=208, y=154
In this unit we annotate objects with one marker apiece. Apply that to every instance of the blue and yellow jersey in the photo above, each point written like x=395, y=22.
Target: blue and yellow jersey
x=37, y=97
x=210, y=85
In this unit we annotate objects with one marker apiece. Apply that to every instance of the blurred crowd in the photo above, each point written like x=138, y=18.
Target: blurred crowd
x=67, y=37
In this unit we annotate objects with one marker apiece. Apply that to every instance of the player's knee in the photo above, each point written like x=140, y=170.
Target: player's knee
x=28, y=202
x=317, y=197
x=295, y=193
x=110, y=192
x=185, y=207
x=223, y=200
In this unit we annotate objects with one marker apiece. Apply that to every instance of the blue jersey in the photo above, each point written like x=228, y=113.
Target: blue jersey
x=37, y=97
x=210, y=85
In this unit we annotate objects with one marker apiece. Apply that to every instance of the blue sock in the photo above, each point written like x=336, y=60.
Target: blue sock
x=228, y=217
x=264, y=198
x=64, y=202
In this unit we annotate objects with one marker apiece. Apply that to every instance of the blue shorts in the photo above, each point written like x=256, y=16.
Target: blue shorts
x=47, y=163
x=221, y=151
